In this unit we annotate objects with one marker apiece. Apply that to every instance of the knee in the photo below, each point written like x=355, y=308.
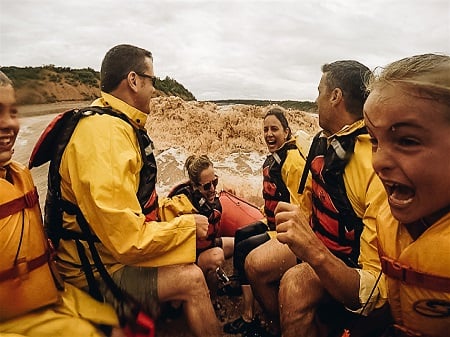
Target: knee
x=290, y=284
x=193, y=279
x=301, y=286
x=254, y=266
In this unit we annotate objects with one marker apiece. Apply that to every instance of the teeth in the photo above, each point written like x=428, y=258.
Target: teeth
x=398, y=194
x=400, y=201
x=5, y=141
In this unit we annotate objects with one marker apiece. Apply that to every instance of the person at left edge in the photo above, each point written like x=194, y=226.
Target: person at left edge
x=152, y=260
x=31, y=304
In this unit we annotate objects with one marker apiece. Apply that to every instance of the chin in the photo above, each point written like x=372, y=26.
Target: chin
x=404, y=216
x=4, y=158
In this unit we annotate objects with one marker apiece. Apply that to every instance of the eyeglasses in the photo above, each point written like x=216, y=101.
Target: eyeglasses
x=207, y=186
x=153, y=78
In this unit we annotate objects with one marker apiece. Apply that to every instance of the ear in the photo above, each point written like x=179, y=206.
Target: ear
x=287, y=133
x=132, y=81
x=336, y=96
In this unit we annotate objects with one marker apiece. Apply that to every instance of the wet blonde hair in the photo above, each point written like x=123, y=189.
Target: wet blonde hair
x=195, y=165
x=4, y=80
x=426, y=76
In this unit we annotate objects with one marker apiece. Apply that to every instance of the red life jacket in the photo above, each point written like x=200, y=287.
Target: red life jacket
x=333, y=219
x=50, y=147
x=213, y=211
x=274, y=188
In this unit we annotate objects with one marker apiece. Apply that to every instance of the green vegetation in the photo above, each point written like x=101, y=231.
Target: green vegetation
x=86, y=82
x=21, y=76
x=173, y=88
x=297, y=105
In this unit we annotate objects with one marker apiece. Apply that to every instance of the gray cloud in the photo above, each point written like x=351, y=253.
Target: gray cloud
x=226, y=49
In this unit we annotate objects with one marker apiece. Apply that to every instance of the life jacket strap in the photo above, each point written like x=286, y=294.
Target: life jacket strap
x=26, y=266
x=402, y=272
x=28, y=200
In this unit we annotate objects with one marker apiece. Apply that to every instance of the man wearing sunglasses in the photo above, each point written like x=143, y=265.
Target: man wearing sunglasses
x=108, y=175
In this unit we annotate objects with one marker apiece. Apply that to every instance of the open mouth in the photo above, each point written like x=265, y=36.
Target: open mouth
x=271, y=142
x=399, y=195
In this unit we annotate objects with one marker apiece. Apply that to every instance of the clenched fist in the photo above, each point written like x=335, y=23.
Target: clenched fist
x=202, y=224
x=294, y=230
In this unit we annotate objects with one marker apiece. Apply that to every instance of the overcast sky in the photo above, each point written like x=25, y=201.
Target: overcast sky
x=223, y=49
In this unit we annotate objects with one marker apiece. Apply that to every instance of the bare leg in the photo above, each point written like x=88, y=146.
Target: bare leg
x=300, y=294
x=247, y=302
x=187, y=283
x=264, y=266
x=228, y=246
x=210, y=259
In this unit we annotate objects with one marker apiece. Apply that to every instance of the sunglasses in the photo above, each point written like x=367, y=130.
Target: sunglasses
x=207, y=186
x=153, y=78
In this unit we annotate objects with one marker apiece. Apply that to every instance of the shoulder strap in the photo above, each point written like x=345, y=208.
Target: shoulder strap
x=309, y=159
x=50, y=147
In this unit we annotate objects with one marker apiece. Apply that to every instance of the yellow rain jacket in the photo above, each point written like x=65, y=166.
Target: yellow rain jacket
x=66, y=313
x=100, y=173
x=365, y=193
x=417, y=308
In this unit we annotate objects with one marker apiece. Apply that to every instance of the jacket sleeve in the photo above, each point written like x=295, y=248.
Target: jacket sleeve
x=366, y=194
x=101, y=176
x=292, y=172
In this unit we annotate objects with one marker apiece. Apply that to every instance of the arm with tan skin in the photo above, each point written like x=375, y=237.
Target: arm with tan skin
x=340, y=281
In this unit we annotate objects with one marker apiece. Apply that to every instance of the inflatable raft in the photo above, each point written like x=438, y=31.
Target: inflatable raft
x=236, y=213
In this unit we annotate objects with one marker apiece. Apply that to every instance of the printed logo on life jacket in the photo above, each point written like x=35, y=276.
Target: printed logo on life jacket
x=432, y=308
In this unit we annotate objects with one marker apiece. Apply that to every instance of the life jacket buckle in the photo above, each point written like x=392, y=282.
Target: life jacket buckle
x=31, y=198
x=22, y=270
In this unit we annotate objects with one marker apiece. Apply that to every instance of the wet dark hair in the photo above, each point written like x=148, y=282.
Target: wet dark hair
x=118, y=62
x=279, y=114
x=351, y=77
x=195, y=165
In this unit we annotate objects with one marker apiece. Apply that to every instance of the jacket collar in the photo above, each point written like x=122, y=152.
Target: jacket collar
x=135, y=115
x=347, y=129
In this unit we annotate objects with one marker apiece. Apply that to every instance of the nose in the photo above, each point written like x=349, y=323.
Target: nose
x=382, y=160
x=9, y=121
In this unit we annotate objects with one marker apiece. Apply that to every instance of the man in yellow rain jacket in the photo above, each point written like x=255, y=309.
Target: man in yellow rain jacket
x=30, y=302
x=339, y=283
x=101, y=174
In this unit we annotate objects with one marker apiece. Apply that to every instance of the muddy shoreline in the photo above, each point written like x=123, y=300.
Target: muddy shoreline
x=33, y=110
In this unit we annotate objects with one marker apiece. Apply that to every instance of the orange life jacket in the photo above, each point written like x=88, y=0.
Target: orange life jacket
x=417, y=274
x=26, y=278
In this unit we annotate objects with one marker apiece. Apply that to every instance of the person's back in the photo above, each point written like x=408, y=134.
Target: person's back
x=408, y=116
x=110, y=177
